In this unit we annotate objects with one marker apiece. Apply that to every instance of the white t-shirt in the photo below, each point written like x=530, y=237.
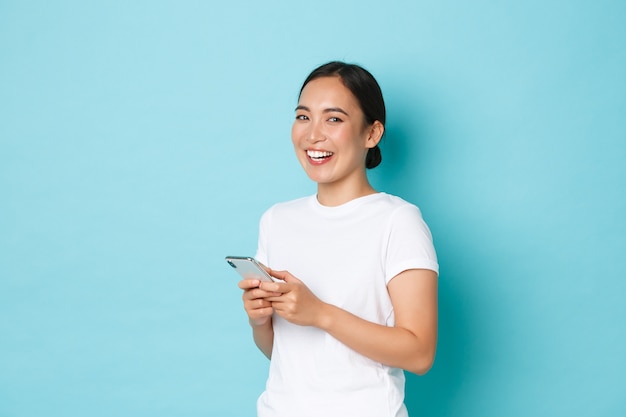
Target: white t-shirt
x=346, y=255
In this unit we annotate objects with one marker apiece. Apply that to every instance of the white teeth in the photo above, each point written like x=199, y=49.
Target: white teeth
x=318, y=154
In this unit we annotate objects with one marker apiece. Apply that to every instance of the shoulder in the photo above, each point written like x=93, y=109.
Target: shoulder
x=290, y=205
x=404, y=217
x=395, y=205
x=286, y=207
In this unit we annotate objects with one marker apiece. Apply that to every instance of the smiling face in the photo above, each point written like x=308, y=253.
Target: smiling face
x=331, y=137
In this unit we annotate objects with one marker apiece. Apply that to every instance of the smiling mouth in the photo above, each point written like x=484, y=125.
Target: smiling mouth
x=319, y=155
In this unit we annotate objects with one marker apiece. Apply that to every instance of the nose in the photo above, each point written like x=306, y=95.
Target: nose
x=315, y=133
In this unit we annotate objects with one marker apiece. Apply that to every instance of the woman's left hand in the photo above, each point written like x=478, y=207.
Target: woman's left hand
x=296, y=304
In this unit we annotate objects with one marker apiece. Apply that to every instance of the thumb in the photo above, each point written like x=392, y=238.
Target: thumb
x=284, y=276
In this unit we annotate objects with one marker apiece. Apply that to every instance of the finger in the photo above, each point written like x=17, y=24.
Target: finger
x=281, y=309
x=261, y=312
x=257, y=293
x=285, y=276
x=260, y=316
x=277, y=288
x=275, y=299
x=278, y=274
x=258, y=306
x=246, y=284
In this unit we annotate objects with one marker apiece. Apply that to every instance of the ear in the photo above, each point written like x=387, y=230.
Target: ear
x=375, y=134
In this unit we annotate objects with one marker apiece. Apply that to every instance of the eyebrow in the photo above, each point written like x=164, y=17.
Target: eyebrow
x=328, y=110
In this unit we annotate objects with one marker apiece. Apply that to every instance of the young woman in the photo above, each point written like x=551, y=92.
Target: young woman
x=357, y=299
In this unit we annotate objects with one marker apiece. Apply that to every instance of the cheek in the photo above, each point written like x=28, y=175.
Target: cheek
x=297, y=133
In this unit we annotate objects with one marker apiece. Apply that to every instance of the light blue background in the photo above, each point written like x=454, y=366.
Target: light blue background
x=141, y=141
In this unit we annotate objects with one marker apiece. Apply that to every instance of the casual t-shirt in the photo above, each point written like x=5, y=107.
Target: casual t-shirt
x=346, y=256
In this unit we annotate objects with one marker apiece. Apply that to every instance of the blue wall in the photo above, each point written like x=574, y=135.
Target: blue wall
x=141, y=141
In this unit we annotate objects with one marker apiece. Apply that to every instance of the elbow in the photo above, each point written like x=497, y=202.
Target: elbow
x=422, y=363
x=421, y=369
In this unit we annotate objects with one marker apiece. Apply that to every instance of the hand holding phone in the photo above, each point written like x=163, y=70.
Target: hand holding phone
x=259, y=310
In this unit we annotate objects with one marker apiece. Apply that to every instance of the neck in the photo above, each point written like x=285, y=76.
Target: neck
x=333, y=195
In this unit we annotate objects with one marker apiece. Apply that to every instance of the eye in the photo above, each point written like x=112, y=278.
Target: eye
x=301, y=117
x=334, y=119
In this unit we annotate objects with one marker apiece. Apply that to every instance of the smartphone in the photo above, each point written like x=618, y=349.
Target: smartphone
x=248, y=268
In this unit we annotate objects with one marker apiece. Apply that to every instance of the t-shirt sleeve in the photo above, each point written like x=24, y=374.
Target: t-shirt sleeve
x=410, y=243
x=262, y=249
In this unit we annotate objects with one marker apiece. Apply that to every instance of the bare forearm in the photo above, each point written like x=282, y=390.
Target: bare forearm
x=392, y=346
x=409, y=345
x=264, y=337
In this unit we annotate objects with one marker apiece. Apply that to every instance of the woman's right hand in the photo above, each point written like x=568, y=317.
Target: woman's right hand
x=255, y=302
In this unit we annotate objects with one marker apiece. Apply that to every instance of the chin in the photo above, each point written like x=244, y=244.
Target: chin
x=317, y=178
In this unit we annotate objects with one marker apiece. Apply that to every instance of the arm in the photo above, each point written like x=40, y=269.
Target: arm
x=412, y=342
x=409, y=345
x=264, y=337
x=259, y=312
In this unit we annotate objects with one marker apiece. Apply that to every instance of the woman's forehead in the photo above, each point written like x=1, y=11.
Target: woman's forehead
x=327, y=91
